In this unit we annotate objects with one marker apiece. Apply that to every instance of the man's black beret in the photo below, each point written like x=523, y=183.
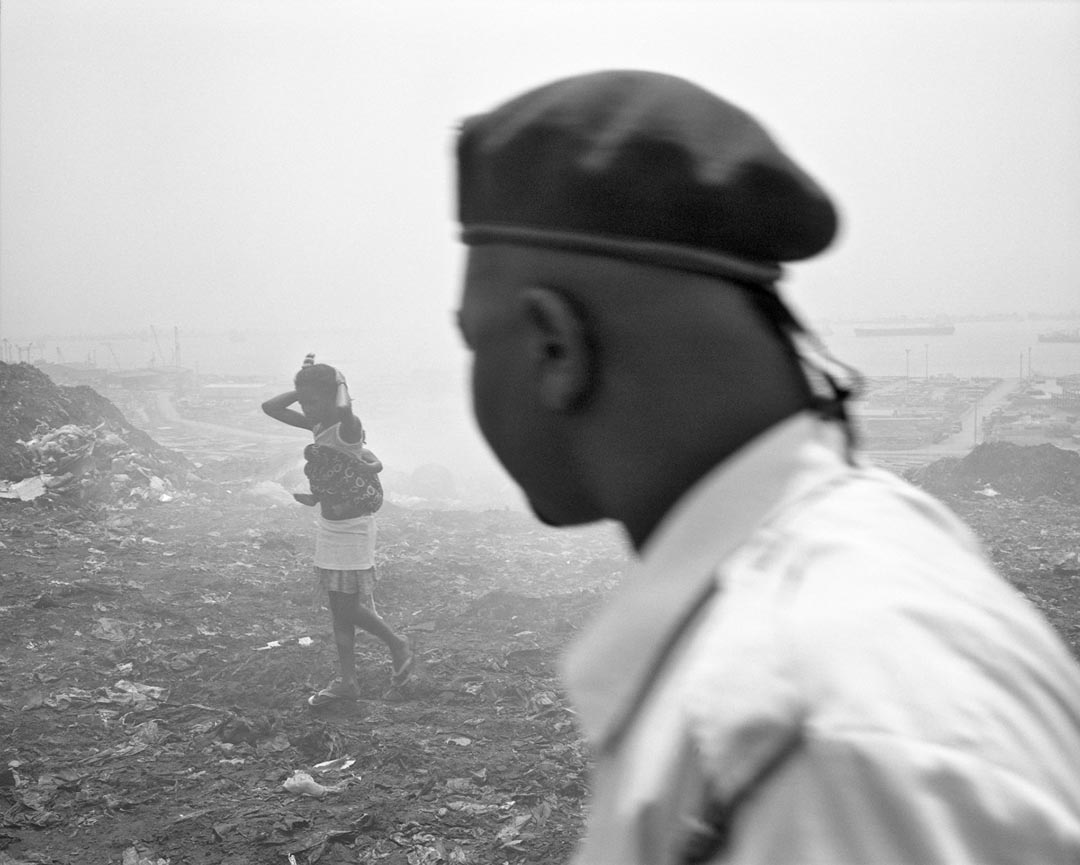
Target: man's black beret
x=643, y=166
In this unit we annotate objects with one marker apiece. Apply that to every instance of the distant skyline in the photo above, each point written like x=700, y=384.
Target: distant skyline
x=271, y=165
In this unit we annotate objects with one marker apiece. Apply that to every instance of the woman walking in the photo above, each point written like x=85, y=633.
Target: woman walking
x=346, y=489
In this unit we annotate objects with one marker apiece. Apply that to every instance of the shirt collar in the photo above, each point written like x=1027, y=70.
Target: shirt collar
x=609, y=668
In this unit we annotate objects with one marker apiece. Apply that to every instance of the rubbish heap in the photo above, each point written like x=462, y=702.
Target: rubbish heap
x=71, y=445
x=92, y=464
x=1007, y=469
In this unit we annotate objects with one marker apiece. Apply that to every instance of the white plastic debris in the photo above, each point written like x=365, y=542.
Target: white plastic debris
x=304, y=784
x=25, y=490
x=338, y=765
x=135, y=856
x=303, y=642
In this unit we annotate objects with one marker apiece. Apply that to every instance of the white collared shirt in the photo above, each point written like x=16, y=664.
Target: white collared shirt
x=815, y=663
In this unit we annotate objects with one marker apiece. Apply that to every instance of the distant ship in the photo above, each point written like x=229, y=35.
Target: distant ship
x=908, y=330
x=1060, y=336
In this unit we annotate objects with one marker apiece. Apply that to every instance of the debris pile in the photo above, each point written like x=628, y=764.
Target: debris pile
x=1007, y=469
x=72, y=444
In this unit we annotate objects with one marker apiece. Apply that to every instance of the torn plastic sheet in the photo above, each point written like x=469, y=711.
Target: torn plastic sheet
x=302, y=783
x=303, y=642
x=112, y=630
x=338, y=765
x=137, y=854
x=25, y=490
x=124, y=693
x=80, y=461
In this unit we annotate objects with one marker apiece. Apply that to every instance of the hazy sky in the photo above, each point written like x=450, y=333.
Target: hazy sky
x=271, y=164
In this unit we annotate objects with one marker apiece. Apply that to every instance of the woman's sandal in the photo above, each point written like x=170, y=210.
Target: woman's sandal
x=333, y=694
x=399, y=675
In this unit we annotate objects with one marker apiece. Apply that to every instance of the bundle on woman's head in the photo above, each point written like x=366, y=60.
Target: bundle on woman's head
x=317, y=375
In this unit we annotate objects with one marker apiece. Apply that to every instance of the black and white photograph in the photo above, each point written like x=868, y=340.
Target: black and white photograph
x=494, y=432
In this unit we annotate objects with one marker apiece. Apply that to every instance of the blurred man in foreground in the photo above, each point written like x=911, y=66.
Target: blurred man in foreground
x=813, y=661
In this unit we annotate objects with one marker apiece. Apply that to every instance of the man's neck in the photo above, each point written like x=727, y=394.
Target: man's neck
x=653, y=485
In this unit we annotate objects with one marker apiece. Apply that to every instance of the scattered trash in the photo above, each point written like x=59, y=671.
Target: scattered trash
x=1011, y=470
x=92, y=463
x=7, y=859
x=73, y=445
x=1068, y=565
x=436, y=854
x=509, y=835
x=138, y=855
x=111, y=630
x=473, y=809
x=274, y=745
x=103, y=603
x=25, y=490
x=303, y=642
x=338, y=765
x=313, y=843
x=141, y=698
x=213, y=756
x=302, y=783
x=148, y=733
x=134, y=696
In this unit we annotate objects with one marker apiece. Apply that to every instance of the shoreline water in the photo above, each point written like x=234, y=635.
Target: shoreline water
x=996, y=349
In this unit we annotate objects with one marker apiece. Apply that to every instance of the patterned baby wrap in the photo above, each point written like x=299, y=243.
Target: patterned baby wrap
x=340, y=477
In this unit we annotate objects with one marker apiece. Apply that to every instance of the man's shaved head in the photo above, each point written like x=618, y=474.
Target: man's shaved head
x=585, y=364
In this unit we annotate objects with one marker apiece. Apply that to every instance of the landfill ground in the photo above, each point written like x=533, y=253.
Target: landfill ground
x=143, y=716
x=155, y=659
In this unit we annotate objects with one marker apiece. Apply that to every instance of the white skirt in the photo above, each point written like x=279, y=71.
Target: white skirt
x=345, y=545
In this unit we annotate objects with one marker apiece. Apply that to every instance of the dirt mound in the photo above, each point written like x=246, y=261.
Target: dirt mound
x=54, y=430
x=1012, y=470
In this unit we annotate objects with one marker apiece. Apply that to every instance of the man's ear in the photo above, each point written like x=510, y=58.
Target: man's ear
x=559, y=342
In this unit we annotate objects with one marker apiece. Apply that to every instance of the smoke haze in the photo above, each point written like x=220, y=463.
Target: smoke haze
x=282, y=171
